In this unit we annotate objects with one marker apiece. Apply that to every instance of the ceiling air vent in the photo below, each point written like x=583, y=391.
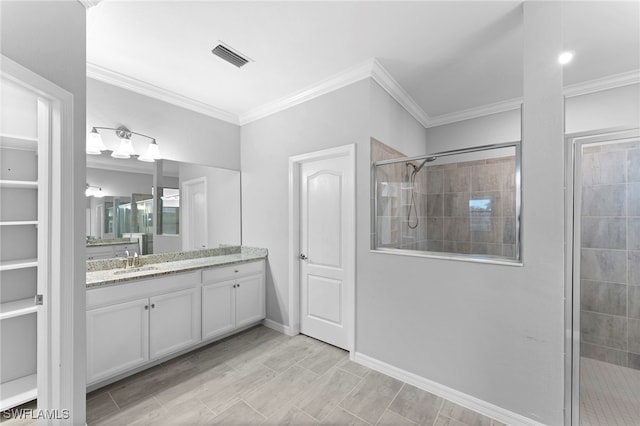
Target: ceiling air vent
x=230, y=56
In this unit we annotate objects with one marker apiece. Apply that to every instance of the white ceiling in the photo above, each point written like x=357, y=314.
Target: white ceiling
x=448, y=55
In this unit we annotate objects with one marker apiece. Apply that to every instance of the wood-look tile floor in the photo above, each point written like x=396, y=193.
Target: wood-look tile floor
x=262, y=377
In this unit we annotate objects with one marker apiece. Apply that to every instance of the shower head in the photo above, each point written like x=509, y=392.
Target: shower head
x=426, y=160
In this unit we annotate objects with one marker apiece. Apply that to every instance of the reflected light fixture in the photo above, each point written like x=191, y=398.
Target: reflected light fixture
x=95, y=146
x=93, y=191
x=565, y=57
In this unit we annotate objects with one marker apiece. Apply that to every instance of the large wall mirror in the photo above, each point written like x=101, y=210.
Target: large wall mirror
x=196, y=206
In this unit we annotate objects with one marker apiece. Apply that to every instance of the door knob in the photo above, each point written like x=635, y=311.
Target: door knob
x=303, y=256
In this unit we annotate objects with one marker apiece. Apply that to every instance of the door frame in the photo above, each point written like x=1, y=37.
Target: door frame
x=61, y=319
x=573, y=200
x=185, y=210
x=295, y=163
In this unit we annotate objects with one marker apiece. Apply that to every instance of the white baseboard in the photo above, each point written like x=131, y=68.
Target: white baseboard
x=468, y=401
x=284, y=329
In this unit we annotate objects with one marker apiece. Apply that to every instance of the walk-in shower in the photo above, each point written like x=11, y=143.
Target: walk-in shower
x=466, y=204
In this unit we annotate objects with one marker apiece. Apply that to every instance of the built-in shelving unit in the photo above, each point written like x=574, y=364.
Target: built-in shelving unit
x=17, y=308
x=21, y=179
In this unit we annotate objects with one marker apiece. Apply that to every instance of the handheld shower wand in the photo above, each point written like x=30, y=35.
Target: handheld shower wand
x=412, y=182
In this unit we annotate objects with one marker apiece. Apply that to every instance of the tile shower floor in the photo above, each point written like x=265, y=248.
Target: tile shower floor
x=609, y=394
x=263, y=377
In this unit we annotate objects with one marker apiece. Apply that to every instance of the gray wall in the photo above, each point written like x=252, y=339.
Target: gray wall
x=336, y=119
x=182, y=135
x=49, y=38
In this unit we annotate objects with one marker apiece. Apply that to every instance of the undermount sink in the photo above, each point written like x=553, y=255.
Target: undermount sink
x=134, y=270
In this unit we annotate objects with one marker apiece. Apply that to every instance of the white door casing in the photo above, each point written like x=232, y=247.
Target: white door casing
x=60, y=369
x=194, y=214
x=323, y=245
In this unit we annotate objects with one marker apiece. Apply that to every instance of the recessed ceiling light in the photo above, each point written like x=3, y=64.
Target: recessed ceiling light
x=565, y=57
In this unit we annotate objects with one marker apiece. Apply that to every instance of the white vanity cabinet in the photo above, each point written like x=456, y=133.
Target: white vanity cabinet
x=133, y=324
x=232, y=297
x=129, y=325
x=117, y=338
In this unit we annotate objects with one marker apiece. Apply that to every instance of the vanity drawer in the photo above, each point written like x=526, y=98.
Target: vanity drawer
x=223, y=273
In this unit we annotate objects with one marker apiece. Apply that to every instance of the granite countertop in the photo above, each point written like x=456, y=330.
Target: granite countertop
x=110, y=272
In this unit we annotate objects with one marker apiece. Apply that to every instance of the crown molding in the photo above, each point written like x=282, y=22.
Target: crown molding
x=393, y=88
x=335, y=82
x=609, y=82
x=89, y=3
x=114, y=78
x=471, y=113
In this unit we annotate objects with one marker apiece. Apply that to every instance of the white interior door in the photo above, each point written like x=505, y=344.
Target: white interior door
x=195, y=233
x=326, y=200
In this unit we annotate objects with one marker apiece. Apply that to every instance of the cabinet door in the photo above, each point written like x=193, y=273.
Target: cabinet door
x=174, y=322
x=117, y=339
x=249, y=300
x=218, y=309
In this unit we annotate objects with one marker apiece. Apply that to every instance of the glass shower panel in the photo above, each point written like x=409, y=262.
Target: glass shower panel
x=464, y=204
x=609, y=283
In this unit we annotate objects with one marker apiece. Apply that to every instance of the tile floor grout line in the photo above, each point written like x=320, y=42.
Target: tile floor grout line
x=357, y=417
x=114, y=401
x=391, y=402
x=435, y=419
x=343, y=398
x=248, y=405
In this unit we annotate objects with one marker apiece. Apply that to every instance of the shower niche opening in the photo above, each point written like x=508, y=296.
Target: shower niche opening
x=462, y=204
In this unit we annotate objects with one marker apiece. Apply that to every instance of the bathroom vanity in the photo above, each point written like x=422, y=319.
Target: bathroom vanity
x=170, y=304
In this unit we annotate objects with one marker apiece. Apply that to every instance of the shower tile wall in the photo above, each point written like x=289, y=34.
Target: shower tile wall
x=610, y=254
x=471, y=207
x=394, y=194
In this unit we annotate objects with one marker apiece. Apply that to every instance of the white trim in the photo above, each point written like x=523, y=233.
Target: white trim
x=117, y=79
x=335, y=82
x=294, y=238
x=605, y=83
x=381, y=76
x=368, y=69
x=476, y=112
x=281, y=328
x=89, y=3
x=59, y=336
x=483, y=407
x=186, y=213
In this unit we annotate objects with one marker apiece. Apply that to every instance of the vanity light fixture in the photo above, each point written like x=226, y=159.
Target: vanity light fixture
x=95, y=146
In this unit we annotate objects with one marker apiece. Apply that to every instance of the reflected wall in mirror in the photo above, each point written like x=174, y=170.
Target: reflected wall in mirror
x=460, y=203
x=128, y=209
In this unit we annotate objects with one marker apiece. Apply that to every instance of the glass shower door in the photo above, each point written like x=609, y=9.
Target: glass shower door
x=607, y=281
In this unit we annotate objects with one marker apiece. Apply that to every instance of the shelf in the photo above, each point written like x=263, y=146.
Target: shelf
x=18, y=142
x=18, y=222
x=18, y=264
x=18, y=391
x=17, y=308
x=18, y=184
